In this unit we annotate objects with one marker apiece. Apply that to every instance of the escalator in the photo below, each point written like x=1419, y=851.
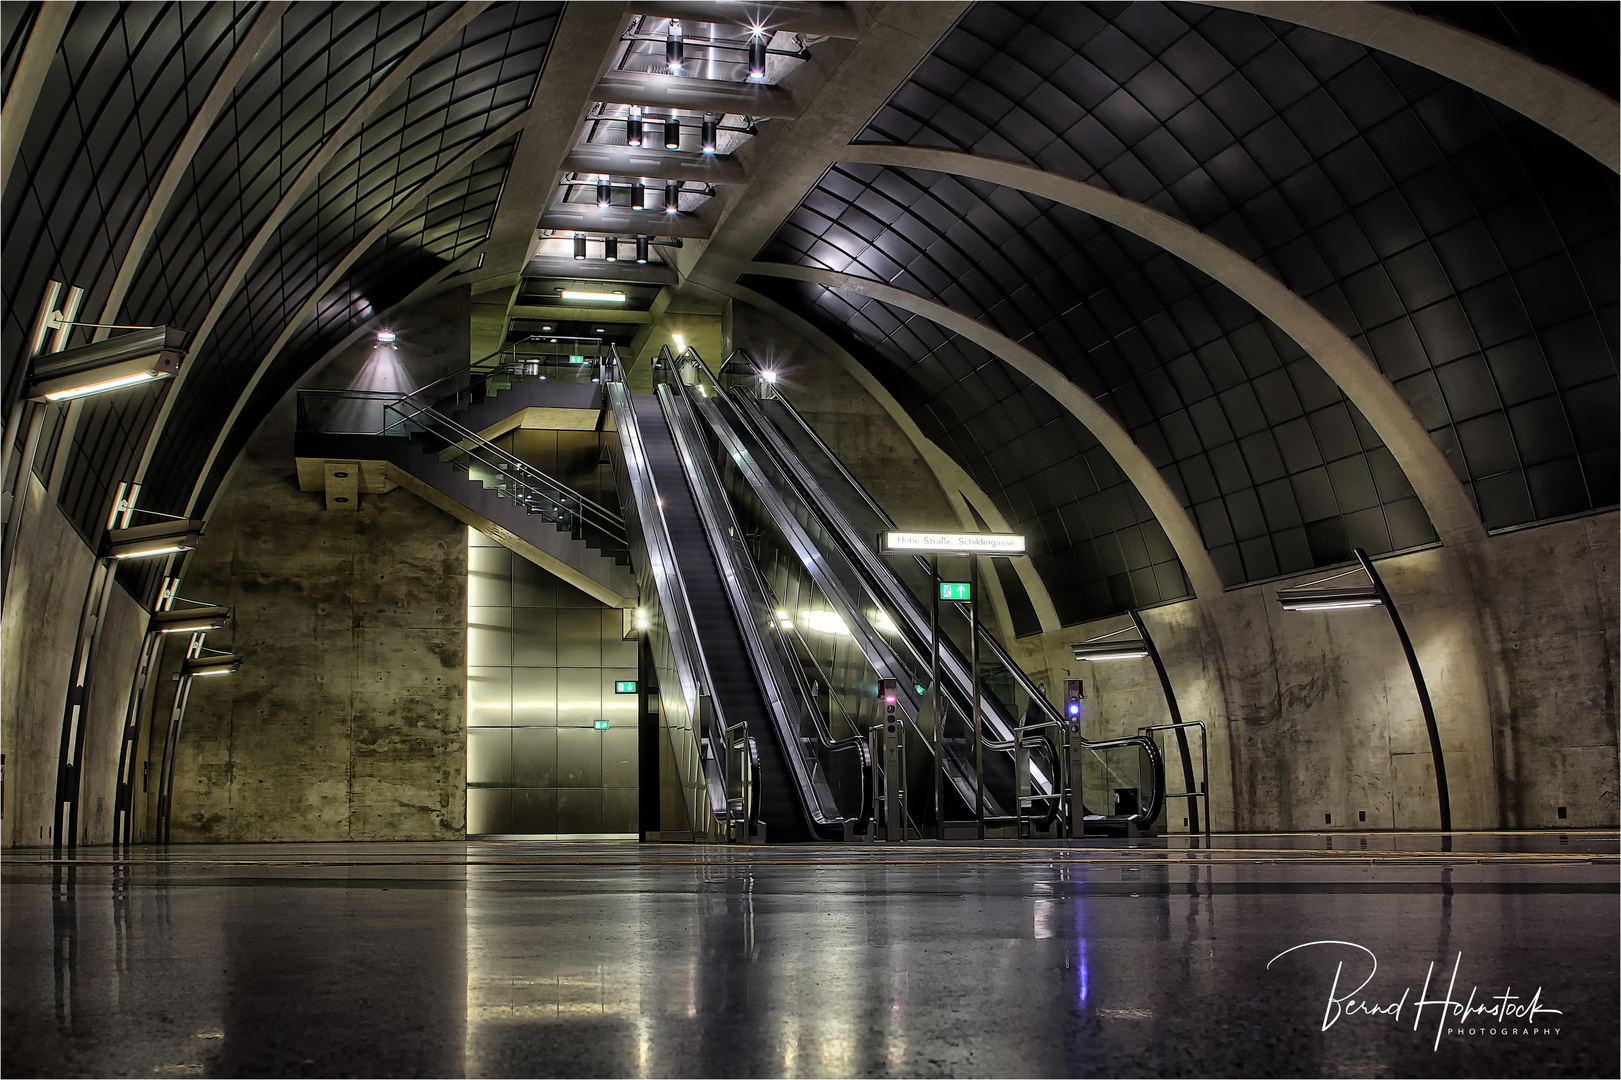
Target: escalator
x=817, y=502
x=769, y=761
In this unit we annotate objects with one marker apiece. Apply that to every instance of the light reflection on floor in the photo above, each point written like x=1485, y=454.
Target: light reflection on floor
x=616, y=959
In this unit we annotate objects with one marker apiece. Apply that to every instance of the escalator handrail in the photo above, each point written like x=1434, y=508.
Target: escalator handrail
x=736, y=566
x=1048, y=708
x=687, y=645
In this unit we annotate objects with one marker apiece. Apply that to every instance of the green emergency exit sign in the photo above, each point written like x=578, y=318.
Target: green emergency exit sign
x=626, y=686
x=954, y=590
x=602, y=725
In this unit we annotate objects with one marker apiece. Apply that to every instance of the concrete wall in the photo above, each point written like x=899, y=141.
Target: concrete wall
x=1314, y=714
x=346, y=721
x=38, y=629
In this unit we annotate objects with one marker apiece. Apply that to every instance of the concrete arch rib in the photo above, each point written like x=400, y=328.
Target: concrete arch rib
x=1449, y=507
x=1565, y=106
x=1173, y=518
x=960, y=489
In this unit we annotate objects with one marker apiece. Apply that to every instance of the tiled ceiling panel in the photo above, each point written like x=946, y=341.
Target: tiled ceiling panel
x=1467, y=250
x=1277, y=469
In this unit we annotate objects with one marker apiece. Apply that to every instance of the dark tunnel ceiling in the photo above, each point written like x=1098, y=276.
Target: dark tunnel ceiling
x=1468, y=251
x=1464, y=248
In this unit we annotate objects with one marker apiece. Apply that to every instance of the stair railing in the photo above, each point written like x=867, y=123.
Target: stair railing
x=512, y=477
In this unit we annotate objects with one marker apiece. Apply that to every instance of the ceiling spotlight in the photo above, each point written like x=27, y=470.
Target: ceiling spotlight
x=600, y=297
x=638, y=196
x=672, y=196
x=633, y=127
x=599, y=330
x=579, y=247
x=190, y=620
x=112, y=364
x=642, y=244
x=757, y=54
x=605, y=194
x=675, y=53
x=708, y=143
x=610, y=250
x=672, y=134
x=385, y=337
x=146, y=541
x=545, y=328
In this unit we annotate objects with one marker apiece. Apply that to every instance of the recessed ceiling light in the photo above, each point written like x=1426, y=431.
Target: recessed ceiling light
x=603, y=297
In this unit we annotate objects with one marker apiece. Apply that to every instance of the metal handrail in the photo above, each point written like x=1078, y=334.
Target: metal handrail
x=1046, y=707
x=534, y=482
x=687, y=649
x=736, y=559
x=484, y=367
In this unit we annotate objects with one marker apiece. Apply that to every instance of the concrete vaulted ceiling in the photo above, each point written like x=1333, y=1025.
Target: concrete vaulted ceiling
x=1194, y=295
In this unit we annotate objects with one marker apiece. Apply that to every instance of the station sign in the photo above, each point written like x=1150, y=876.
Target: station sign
x=943, y=543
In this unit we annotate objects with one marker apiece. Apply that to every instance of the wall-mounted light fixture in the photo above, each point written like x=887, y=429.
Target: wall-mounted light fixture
x=1317, y=596
x=149, y=541
x=386, y=337
x=189, y=620
x=675, y=52
x=210, y=662
x=103, y=366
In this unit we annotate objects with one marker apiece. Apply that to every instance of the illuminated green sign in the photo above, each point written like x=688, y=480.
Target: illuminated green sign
x=954, y=590
x=628, y=686
x=602, y=725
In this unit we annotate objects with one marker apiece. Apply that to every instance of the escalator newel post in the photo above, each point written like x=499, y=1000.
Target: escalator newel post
x=973, y=688
x=894, y=747
x=935, y=703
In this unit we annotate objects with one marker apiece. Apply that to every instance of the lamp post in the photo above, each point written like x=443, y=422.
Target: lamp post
x=1313, y=596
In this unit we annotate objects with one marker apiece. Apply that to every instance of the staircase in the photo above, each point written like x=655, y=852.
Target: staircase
x=429, y=442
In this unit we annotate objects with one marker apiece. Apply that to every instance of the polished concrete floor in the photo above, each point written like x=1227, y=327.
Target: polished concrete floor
x=1114, y=959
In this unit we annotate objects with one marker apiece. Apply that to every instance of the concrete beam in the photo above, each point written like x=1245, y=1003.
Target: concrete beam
x=43, y=38
x=579, y=55
x=594, y=221
x=551, y=266
x=1167, y=508
x=695, y=95
x=844, y=85
x=1565, y=106
x=822, y=20
x=1438, y=488
x=655, y=164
